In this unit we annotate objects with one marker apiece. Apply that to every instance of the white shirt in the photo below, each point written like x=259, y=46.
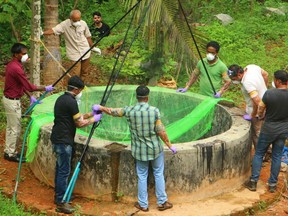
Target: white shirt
x=252, y=81
x=75, y=38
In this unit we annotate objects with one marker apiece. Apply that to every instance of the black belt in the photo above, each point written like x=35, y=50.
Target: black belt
x=11, y=98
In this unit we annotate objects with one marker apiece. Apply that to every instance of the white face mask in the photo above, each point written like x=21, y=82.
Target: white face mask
x=24, y=58
x=76, y=24
x=236, y=82
x=273, y=84
x=210, y=57
x=78, y=97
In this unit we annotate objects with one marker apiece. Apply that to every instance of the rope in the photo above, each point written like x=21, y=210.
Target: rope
x=53, y=57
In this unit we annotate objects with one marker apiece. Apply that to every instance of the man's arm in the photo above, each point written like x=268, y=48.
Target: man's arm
x=90, y=41
x=48, y=32
x=265, y=76
x=225, y=86
x=194, y=76
x=161, y=132
x=85, y=120
x=256, y=100
x=116, y=112
x=261, y=110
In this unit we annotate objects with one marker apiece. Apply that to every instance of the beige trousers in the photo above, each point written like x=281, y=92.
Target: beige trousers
x=256, y=128
x=13, y=128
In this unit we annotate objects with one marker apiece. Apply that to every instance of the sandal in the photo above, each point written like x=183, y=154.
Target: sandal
x=164, y=206
x=136, y=205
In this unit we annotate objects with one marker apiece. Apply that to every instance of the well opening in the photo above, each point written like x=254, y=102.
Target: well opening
x=213, y=145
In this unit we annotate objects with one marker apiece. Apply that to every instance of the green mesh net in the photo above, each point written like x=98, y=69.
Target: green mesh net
x=187, y=117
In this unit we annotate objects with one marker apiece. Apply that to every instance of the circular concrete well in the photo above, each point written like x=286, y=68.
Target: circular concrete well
x=213, y=155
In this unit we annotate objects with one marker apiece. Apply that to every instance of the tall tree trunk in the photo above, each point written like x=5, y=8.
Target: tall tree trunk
x=51, y=69
x=35, y=46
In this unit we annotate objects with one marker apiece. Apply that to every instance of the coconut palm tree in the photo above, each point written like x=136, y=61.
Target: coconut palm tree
x=167, y=31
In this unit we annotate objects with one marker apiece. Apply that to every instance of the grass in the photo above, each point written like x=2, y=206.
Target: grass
x=8, y=208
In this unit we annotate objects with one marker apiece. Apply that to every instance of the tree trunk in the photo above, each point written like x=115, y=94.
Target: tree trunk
x=51, y=68
x=35, y=46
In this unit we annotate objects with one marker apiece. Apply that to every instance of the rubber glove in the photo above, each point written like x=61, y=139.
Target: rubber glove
x=33, y=100
x=49, y=88
x=97, y=50
x=173, y=149
x=183, y=90
x=97, y=117
x=217, y=95
x=96, y=109
x=247, y=117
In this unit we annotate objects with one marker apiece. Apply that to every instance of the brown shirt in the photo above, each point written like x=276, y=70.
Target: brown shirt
x=75, y=38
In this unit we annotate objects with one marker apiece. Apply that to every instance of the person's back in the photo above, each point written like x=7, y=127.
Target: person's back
x=276, y=105
x=253, y=80
x=146, y=144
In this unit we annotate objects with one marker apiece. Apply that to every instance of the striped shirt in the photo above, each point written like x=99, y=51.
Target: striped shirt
x=145, y=143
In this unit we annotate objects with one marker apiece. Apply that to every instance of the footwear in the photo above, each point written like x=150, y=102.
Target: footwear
x=71, y=199
x=166, y=205
x=64, y=208
x=15, y=158
x=272, y=189
x=137, y=205
x=251, y=185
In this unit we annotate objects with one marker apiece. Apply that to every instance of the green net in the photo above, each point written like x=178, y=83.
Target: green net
x=187, y=117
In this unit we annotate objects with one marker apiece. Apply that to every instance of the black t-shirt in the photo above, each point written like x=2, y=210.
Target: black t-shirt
x=276, y=117
x=64, y=128
x=99, y=32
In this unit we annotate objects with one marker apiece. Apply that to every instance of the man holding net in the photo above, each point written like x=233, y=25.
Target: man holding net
x=146, y=131
x=216, y=70
x=67, y=118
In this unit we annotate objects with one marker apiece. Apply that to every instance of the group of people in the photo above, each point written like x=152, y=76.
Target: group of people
x=266, y=109
x=146, y=128
x=78, y=40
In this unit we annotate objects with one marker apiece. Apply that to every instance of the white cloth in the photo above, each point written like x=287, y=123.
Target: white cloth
x=252, y=81
x=13, y=127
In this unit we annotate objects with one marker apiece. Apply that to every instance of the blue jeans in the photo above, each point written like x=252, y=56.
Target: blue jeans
x=158, y=172
x=62, y=169
x=264, y=140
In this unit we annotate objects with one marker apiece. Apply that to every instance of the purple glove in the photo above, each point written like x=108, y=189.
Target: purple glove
x=33, y=100
x=95, y=108
x=173, y=149
x=217, y=95
x=247, y=117
x=183, y=90
x=49, y=88
x=97, y=117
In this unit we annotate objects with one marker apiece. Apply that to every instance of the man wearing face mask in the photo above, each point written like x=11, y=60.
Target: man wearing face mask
x=66, y=119
x=16, y=85
x=77, y=41
x=216, y=70
x=253, y=80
